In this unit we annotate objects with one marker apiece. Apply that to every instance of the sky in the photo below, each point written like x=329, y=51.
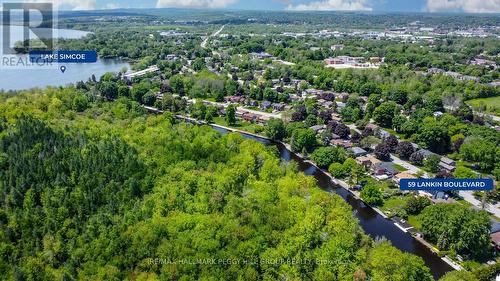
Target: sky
x=469, y=6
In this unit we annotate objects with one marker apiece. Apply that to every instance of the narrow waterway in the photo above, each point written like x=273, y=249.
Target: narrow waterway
x=372, y=223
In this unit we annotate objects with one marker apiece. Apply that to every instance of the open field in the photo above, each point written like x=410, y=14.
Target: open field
x=490, y=105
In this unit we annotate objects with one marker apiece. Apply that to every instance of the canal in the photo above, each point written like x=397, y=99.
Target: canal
x=372, y=223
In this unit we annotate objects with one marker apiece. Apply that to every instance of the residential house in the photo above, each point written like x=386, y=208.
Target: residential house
x=358, y=151
x=337, y=47
x=447, y=164
x=341, y=143
x=437, y=114
x=249, y=117
x=340, y=105
x=440, y=197
x=367, y=161
x=278, y=106
x=448, y=161
x=384, y=168
x=495, y=234
x=403, y=175
x=426, y=153
x=265, y=105
x=318, y=128
x=261, y=55
x=250, y=102
x=383, y=134
x=372, y=126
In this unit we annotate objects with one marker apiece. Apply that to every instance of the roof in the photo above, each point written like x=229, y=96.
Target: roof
x=446, y=166
x=448, y=161
x=405, y=175
x=387, y=166
x=495, y=237
x=369, y=158
x=371, y=126
x=358, y=150
x=495, y=226
x=426, y=153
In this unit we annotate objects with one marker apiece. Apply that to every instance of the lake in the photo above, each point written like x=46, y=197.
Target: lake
x=21, y=79
x=27, y=78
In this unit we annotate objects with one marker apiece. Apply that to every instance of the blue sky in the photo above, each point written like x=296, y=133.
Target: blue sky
x=470, y=6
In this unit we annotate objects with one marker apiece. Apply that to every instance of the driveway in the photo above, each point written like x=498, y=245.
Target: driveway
x=412, y=169
x=469, y=197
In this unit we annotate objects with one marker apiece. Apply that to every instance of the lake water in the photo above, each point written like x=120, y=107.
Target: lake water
x=16, y=33
x=20, y=78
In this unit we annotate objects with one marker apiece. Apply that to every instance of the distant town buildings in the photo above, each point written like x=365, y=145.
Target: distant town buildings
x=338, y=47
x=353, y=62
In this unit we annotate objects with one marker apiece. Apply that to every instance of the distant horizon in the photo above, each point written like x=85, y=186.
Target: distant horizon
x=285, y=11
x=416, y=6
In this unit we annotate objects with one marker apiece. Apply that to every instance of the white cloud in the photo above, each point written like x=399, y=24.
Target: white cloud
x=332, y=5
x=112, y=6
x=69, y=4
x=193, y=3
x=469, y=6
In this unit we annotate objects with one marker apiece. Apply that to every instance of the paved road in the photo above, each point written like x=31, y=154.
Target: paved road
x=204, y=43
x=467, y=195
x=493, y=117
x=411, y=168
x=241, y=108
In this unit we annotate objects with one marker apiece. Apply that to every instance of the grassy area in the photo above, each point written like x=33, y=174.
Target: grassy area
x=463, y=202
x=399, y=168
x=491, y=105
x=240, y=125
x=392, y=204
x=392, y=132
x=415, y=222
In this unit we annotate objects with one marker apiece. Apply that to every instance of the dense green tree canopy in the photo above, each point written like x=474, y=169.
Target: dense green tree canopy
x=115, y=193
x=458, y=228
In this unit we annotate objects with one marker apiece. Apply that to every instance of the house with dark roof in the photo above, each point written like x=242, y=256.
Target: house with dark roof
x=426, y=153
x=318, y=128
x=358, y=151
x=384, y=168
x=367, y=161
x=265, y=105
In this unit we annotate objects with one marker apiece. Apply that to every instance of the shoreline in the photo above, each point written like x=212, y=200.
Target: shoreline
x=335, y=181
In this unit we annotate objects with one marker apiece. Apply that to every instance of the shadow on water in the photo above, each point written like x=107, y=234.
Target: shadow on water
x=372, y=223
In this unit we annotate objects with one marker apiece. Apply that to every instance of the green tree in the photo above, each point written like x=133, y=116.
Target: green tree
x=138, y=91
x=459, y=275
x=483, y=152
x=198, y=110
x=415, y=204
x=387, y=263
x=210, y=113
x=275, y=129
x=303, y=139
x=80, y=102
x=231, y=115
x=325, y=156
x=371, y=194
x=432, y=163
x=384, y=114
x=433, y=136
x=458, y=228
x=338, y=170
x=108, y=90
x=462, y=172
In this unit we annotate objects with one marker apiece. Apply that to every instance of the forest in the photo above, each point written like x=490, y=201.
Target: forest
x=102, y=195
x=92, y=187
